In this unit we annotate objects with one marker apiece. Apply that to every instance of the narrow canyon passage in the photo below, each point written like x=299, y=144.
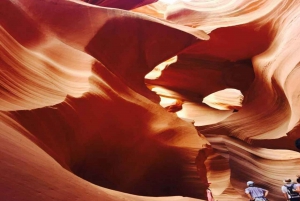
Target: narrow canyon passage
x=148, y=100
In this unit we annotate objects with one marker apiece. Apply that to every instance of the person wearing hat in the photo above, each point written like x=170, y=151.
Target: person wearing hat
x=255, y=193
x=289, y=190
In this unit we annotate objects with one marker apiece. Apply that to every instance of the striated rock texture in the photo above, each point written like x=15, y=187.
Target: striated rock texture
x=147, y=100
x=254, y=48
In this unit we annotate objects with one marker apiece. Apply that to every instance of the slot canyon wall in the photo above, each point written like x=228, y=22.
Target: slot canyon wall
x=148, y=100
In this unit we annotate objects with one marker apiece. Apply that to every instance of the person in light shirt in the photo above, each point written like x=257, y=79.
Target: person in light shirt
x=210, y=196
x=255, y=193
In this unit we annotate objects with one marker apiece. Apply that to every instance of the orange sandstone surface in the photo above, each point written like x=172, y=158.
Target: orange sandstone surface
x=147, y=100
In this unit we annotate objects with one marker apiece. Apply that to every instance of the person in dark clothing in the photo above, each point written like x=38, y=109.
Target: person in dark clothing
x=289, y=190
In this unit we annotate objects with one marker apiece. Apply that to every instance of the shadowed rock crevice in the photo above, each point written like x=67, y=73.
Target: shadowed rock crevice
x=140, y=151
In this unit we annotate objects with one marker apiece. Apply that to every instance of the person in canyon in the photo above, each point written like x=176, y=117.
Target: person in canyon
x=289, y=190
x=297, y=186
x=255, y=193
x=210, y=196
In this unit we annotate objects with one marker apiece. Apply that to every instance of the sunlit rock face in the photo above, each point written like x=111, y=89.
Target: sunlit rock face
x=147, y=100
x=253, y=48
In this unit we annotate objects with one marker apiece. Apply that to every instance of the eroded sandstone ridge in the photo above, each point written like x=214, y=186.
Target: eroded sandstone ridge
x=147, y=100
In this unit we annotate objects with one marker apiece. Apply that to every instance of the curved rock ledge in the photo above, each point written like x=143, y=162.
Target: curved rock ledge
x=104, y=100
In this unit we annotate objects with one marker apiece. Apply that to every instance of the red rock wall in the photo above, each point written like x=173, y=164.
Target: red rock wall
x=82, y=118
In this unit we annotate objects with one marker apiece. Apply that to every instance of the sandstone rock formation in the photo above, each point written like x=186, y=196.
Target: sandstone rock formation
x=147, y=100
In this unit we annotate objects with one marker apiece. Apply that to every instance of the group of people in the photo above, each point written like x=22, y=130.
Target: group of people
x=290, y=190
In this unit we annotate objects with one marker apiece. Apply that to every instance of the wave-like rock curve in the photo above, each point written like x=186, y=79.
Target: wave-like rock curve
x=80, y=122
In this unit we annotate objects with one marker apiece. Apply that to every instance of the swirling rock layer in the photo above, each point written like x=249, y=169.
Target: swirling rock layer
x=104, y=100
